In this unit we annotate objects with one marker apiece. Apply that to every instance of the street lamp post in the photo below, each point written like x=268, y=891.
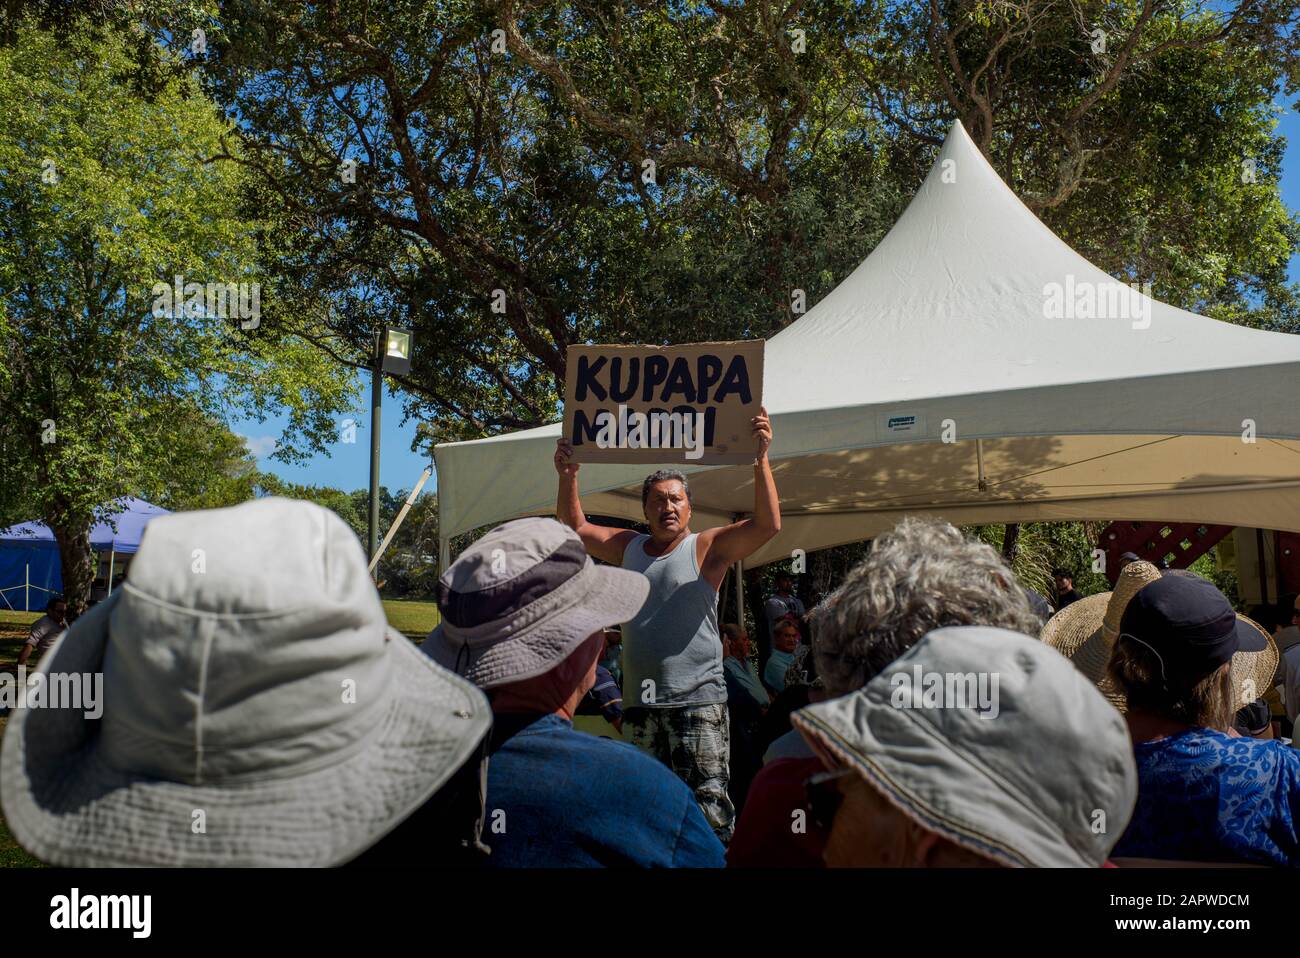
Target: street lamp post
x=392, y=355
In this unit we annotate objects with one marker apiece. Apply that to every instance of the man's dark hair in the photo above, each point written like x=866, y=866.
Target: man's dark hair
x=57, y=600
x=1285, y=608
x=663, y=475
x=1270, y=616
x=1063, y=572
x=782, y=574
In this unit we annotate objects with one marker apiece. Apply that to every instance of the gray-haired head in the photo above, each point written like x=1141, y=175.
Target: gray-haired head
x=921, y=575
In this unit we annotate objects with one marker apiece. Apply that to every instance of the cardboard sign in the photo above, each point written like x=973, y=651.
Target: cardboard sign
x=664, y=404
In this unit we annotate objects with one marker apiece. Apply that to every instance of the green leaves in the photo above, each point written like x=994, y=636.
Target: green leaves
x=108, y=194
x=502, y=207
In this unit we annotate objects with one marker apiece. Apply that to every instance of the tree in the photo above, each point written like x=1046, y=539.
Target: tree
x=1041, y=547
x=107, y=195
x=351, y=507
x=513, y=177
x=428, y=172
x=198, y=463
x=1142, y=132
x=409, y=564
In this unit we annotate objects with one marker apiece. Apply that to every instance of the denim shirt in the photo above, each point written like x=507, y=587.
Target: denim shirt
x=558, y=798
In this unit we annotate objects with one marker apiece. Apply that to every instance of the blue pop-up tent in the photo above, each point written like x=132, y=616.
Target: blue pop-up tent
x=30, y=570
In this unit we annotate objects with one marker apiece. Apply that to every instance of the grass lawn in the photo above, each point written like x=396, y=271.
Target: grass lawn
x=11, y=853
x=13, y=633
x=413, y=619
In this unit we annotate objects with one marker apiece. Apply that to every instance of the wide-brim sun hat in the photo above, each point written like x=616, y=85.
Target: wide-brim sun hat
x=522, y=598
x=257, y=708
x=1085, y=632
x=1022, y=776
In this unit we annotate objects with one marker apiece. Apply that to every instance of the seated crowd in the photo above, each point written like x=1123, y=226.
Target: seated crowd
x=262, y=712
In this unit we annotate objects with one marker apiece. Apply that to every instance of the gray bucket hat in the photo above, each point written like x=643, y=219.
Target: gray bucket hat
x=521, y=599
x=257, y=708
x=1046, y=778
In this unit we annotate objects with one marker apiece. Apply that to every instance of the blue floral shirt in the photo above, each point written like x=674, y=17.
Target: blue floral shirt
x=1206, y=796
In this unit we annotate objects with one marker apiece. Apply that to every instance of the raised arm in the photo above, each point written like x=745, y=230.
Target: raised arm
x=602, y=542
x=729, y=544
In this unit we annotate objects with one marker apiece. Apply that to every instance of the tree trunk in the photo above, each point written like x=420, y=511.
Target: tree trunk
x=727, y=597
x=1010, y=537
x=77, y=562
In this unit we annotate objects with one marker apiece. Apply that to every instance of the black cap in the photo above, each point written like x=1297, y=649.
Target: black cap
x=1190, y=624
x=1252, y=719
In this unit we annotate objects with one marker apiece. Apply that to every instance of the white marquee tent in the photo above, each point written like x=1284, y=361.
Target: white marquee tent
x=941, y=378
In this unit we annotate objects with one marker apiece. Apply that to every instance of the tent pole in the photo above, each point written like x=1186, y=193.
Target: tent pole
x=444, y=555
x=27, y=587
x=392, y=530
x=982, y=483
x=1278, y=587
x=1263, y=573
x=739, y=571
x=111, y=556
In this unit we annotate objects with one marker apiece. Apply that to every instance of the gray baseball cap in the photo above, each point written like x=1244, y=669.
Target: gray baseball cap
x=257, y=708
x=521, y=599
x=1041, y=773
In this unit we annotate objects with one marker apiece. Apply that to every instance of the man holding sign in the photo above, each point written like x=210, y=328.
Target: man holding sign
x=674, y=693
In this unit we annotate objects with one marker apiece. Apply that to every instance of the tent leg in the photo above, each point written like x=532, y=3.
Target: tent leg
x=392, y=529
x=1263, y=572
x=444, y=555
x=27, y=587
x=112, y=555
x=740, y=593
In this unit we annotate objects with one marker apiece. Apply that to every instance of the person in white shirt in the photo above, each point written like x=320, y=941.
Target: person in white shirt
x=45, y=630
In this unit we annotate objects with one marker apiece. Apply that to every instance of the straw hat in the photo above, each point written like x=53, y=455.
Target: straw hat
x=1085, y=633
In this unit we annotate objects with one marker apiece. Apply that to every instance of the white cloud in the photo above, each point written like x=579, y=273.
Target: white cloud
x=259, y=446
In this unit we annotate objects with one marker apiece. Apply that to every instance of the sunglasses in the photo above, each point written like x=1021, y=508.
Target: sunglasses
x=824, y=797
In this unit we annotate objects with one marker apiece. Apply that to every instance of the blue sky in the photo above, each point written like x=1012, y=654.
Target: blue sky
x=348, y=466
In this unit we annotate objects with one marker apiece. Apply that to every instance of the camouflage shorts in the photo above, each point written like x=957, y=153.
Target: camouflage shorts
x=694, y=741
